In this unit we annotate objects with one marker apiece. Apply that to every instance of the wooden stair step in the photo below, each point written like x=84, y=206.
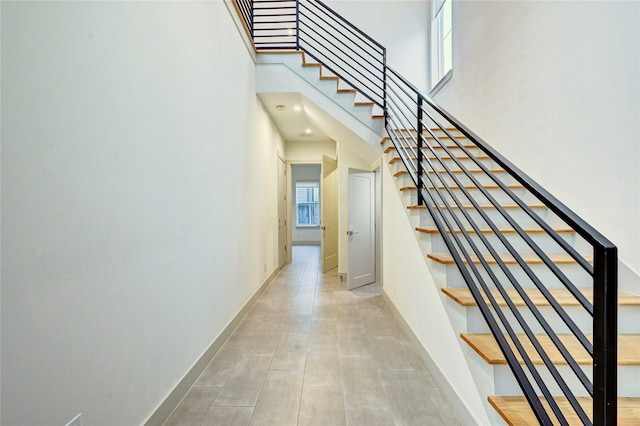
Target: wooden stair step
x=433, y=230
x=390, y=148
x=363, y=103
x=463, y=297
x=486, y=346
x=457, y=171
x=530, y=259
x=426, y=134
x=346, y=90
x=514, y=186
x=414, y=131
x=515, y=410
x=444, y=157
x=484, y=207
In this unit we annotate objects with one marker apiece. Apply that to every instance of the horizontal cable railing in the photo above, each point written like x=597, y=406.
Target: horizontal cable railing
x=459, y=178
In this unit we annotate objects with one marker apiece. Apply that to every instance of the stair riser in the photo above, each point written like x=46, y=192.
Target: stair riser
x=519, y=215
x=627, y=319
x=574, y=273
x=436, y=132
x=431, y=178
x=628, y=380
x=495, y=217
x=498, y=195
x=544, y=241
x=466, y=162
x=436, y=150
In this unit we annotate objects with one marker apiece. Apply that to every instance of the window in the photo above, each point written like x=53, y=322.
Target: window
x=307, y=202
x=441, y=44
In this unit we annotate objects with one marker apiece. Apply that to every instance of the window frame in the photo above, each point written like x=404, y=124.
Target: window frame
x=310, y=184
x=441, y=39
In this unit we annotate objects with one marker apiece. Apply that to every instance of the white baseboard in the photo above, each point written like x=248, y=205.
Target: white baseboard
x=464, y=415
x=166, y=407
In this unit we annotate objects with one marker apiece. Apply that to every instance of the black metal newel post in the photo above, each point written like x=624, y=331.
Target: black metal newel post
x=252, y=21
x=605, y=335
x=419, y=156
x=297, y=24
x=384, y=86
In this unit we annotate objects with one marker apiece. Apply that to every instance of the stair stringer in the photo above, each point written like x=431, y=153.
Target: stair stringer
x=412, y=284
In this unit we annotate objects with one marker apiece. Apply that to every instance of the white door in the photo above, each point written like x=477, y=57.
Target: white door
x=329, y=213
x=361, y=229
x=282, y=212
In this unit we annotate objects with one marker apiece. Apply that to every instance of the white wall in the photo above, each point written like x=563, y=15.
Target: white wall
x=309, y=152
x=555, y=86
x=125, y=251
x=400, y=26
x=303, y=234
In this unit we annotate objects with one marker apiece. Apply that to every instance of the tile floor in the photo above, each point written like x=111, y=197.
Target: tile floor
x=312, y=353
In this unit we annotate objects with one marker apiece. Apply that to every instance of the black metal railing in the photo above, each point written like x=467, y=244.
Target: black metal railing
x=459, y=178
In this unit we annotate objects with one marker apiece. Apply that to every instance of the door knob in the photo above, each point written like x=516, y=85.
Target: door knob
x=351, y=233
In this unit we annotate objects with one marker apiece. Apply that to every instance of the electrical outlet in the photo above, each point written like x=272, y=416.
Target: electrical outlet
x=76, y=421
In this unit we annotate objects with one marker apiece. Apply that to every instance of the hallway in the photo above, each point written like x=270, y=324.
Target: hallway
x=312, y=353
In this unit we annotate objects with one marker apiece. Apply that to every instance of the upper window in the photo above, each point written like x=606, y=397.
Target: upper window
x=441, y=43
x=307, y=203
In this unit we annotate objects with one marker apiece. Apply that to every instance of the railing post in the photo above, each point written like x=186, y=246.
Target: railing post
x=605, y=335
x=384, y=85
x=252, y=21
x=297, y=24
x=419, y=156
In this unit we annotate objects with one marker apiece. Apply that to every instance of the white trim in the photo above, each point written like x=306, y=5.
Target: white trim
x=445, y=78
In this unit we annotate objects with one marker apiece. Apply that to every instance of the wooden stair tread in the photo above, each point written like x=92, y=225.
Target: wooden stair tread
x=377, y=116
x=515, y=410
x=530, y=259
x=457, y=171
x=346, y=90
x=363, y=103
x=433, y=230
x=427, y=136
x=404, y=130
x=444, y=157
x=450, y=146
x=486, y=346
x=484, y=206
x=463, y=297
x=513, y=186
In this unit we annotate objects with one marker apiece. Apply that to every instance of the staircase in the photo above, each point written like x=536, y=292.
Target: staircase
x=490, y=361
x=549, y=338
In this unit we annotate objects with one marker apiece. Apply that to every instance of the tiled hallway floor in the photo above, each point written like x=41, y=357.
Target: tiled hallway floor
x=312, y=353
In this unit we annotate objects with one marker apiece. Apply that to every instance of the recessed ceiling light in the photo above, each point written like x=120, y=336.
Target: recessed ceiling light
x=307, y=131
x=297, y=108
x=281, y=107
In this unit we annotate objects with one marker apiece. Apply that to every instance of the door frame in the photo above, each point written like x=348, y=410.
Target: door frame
x=287, y=222
x=375, y=194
